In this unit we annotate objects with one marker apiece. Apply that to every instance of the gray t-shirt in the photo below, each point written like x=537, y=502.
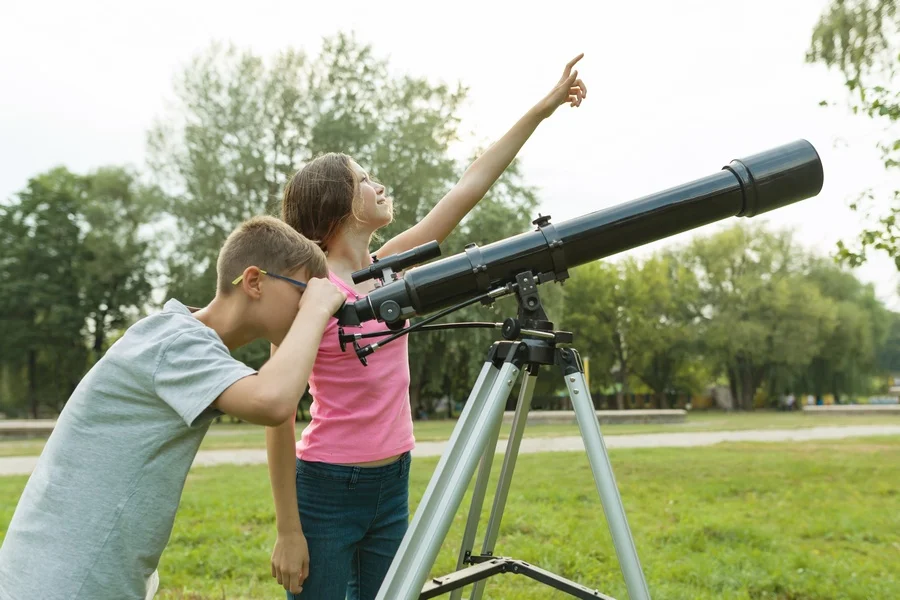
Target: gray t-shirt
x=99, y=507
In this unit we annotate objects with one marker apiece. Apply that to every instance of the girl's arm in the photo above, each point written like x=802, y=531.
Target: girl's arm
x=290, y=556
x=482, y=173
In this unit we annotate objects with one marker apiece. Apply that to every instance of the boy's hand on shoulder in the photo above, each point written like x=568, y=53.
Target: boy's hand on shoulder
x=322, y=293
x=569, y=89
x=290, y=561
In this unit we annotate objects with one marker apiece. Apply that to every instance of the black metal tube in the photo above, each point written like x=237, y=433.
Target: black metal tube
x=398, y=262
x=745, y=187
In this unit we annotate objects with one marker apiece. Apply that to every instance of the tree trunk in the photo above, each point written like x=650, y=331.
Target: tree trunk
x=415, y=400
x=32, y=383
x=622, y=375
x=747, y=391
x=732, y=386
x=99, y=335
x=742, y=384
x=300, y=411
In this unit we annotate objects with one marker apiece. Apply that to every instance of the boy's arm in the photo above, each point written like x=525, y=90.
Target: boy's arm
x=290, y=556
x=271, y=397
x=487, y=168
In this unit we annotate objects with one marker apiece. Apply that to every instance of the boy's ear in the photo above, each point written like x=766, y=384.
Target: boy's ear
x=251, y=282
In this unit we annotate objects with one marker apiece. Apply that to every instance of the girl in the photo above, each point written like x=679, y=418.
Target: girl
x=341, y=492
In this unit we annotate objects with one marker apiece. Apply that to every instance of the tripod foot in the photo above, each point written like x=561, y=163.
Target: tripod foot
x=486, y=566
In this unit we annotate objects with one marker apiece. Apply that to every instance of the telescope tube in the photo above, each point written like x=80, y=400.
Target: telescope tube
x=744, y=188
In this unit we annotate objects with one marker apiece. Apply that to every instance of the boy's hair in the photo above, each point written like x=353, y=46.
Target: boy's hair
x=270, y=244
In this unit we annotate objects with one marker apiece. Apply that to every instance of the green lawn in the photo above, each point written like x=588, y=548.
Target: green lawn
x=801, y=521
x=249, y=436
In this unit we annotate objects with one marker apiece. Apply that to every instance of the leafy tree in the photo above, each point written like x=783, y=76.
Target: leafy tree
x=665, y=300
x=595, y=312
x=760, y=316
x=848, y=357
x=242, y=126
x=115, y=251
x=888, y=355
x=72, y=264
x=861, y=40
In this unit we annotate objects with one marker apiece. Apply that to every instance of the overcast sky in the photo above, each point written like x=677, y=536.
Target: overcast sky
x=675, y=89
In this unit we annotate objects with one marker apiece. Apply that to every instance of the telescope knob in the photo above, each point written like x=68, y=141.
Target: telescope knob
x=389, y=311
x=511, y=329
x=541, y=221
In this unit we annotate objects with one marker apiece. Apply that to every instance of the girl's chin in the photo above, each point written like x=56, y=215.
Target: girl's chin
x=376, y=222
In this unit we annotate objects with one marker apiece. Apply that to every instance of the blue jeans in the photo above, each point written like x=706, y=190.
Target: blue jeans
x=354, y=519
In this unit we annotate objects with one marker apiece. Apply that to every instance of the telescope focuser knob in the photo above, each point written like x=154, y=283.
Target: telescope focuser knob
x=389, y=311
x=511, y=329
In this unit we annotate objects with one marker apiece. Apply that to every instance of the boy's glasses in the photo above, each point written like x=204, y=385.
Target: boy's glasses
x=299, y=284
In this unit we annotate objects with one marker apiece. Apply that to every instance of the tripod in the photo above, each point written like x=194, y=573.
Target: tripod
x=530, y=342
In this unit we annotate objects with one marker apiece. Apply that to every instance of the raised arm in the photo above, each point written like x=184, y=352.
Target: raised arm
x=487, y=168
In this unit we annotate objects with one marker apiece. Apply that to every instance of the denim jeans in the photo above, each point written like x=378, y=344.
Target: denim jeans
x=354, y=519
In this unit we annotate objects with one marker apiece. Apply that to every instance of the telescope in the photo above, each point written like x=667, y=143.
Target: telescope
x=518, y=265
x=744, y=188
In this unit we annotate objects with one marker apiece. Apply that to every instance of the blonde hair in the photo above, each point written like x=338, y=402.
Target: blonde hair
x=270, y=244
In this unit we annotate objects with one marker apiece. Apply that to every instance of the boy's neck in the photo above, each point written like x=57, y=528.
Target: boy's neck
x=224, y=316
x=349, y=251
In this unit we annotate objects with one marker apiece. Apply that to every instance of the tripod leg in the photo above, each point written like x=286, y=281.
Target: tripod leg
x=481, y=482
x=445, y=491
x=506, y=471
x=603, y=475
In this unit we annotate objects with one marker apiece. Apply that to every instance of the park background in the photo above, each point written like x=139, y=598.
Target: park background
x=134, y=137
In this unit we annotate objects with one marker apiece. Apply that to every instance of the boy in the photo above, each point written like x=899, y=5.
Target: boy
x=98, y=510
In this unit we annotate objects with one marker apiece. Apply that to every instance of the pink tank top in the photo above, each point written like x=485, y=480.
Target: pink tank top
x=359, y=413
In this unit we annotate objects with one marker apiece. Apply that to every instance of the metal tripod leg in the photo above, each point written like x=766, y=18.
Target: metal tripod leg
x=523, y=406
x=603, y=478
x=445, y=491
x=481, y=483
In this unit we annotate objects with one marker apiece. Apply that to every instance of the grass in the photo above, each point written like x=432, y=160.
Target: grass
x=793, y=521
x=224, y=436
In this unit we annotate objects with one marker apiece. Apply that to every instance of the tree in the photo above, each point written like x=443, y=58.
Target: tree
x=40, y=267
x=115, y=251
x=888, y=355
x=72, y=264
x=595, y=301
x=242, y=126
x=848, y=358
x=637, y=319
x=761, y=319
x=665, y=308
x=861, y=39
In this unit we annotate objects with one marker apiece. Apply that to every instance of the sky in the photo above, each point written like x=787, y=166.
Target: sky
x=675, y=90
